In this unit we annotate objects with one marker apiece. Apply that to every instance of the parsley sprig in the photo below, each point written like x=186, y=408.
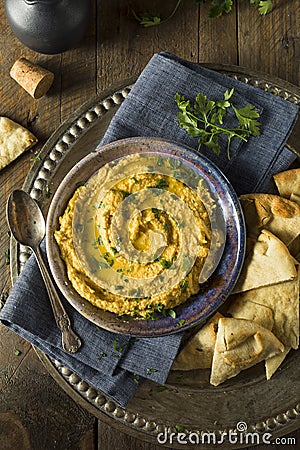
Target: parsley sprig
x=264, y=7
x=204, y=120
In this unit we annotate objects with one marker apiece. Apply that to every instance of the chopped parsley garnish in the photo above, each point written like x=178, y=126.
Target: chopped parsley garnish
x=161, y=388
x=47, y=191
x=125, y=193
x=184, y=285
x=155, y=212
x=162, y=184
x=7, y=257
x=119, y=287
x=136, y=378
x=160, y=162
x=172, y=313
x=174, y=163
x=166, y=264
x=117, y=348
x=149, y=371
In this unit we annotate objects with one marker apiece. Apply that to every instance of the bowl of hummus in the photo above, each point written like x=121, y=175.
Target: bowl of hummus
x=145, y=237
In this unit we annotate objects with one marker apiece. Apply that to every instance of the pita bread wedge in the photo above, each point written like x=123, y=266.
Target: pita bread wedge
x=240, y=344
x=250, y=310
x=288, y=182
x=268, y=263
x=14, y=140
x=271, y=212
x=272, y=364
x=198, y=352
x=283, y=299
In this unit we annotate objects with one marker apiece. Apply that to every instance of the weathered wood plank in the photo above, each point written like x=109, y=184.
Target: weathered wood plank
x=126, y=47
x=217, y=37
x=31, y=402
x=34, y=411
x=78, y=72
x=270, y=43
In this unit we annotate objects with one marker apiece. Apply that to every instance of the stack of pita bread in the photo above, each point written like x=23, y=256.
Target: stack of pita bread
x=260, y=321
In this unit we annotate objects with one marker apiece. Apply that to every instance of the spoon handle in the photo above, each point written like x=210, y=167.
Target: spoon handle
x=70, y=341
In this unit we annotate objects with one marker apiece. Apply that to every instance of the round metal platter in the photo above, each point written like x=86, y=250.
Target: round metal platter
x=187, y=402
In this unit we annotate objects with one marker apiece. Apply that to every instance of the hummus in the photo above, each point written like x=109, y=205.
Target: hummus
x=151, y=227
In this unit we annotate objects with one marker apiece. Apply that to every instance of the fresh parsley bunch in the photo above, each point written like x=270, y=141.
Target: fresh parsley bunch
x=204, y=120
x=217, y=9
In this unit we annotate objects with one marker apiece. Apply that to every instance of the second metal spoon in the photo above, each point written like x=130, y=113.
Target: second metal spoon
x=27, y=225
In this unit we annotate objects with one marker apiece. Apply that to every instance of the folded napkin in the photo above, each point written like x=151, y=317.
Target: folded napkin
x=116, y=364
x=150, y=110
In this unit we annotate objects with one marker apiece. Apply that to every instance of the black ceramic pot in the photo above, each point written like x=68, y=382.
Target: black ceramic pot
x=49, y=26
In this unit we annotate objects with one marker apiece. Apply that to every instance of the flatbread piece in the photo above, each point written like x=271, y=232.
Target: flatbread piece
x=240, y=344
x=271, y=212
x=14, y=140
x=198, y=352
x=268, y=262
x=288, y=183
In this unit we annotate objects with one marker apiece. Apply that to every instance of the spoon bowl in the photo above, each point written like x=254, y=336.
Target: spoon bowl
x=27, y=225
x=25, y=219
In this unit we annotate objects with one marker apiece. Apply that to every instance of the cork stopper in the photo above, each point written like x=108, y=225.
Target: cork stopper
x=33, y=78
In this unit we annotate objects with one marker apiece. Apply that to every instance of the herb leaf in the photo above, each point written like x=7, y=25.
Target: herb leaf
x=264, y=7
x=148, y=19
x=219, y=7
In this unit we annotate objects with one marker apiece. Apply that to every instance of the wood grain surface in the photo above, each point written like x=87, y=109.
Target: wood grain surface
x=35, y=413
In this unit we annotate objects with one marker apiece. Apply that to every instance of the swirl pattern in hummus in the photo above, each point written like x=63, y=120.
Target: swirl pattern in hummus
x=135, y=238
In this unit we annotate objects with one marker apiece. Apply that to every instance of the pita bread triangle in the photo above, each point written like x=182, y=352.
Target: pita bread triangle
x=272, y=363
x=268, y=262
x=283, y=299
x=288, y=182
x=271, y=212
x=14, y=140
x=198, y=352
x=240, y=308
x=236, y=351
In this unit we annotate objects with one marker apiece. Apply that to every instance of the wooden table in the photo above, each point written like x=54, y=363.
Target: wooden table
x=35, y=413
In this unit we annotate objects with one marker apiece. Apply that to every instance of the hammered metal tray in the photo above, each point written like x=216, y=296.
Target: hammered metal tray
x=187, y=403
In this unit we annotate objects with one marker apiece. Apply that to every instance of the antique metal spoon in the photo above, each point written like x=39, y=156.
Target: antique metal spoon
x=27, y=225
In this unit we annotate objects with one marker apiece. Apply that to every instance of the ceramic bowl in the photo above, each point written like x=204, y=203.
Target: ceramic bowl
x=213, y=292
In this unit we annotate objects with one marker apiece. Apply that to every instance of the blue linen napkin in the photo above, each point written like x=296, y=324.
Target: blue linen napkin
x=150, y=110
x=110, y=362
x=113, y=363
